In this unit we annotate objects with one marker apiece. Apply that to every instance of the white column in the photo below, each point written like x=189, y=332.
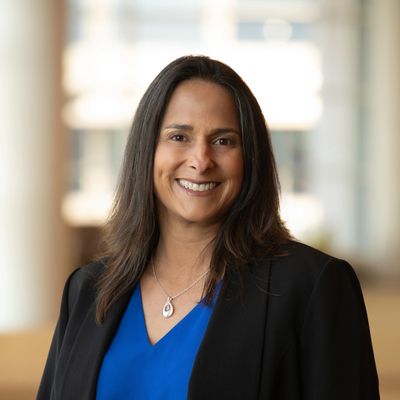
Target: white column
x=32, y=261
x=217, y=23
x=383, y=116
x=333, y=145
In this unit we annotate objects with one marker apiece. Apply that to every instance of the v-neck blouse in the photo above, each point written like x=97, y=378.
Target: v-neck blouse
x=133, y=368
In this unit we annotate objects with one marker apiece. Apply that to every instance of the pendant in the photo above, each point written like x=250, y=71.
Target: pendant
x=168, y=308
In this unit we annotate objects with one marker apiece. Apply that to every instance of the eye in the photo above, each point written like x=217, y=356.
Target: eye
x=178, y=138
x=222, y=141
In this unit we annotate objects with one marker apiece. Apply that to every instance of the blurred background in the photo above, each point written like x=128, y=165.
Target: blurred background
x=326, y=73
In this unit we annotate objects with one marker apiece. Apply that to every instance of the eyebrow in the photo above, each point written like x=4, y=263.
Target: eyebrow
x=179, y=127
x=184, y=127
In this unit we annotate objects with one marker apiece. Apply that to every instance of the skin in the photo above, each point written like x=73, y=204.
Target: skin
x=199, y=143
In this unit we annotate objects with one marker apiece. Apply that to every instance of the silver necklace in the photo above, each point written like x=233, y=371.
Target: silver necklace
x=168, y=308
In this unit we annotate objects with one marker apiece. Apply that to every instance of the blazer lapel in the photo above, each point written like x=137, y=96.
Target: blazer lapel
x=90, y=347
x=229, y=360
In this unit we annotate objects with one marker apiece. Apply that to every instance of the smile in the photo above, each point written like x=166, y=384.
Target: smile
x=197, y=187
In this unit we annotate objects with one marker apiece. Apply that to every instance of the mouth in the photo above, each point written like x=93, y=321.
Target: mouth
x=197, y=187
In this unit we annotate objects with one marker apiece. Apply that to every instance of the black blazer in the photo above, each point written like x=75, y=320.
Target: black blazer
x=300, y=331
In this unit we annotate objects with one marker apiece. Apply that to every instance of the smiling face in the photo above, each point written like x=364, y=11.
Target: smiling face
x=198, y=164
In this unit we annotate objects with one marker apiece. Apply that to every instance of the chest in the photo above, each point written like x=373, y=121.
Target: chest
x=133, y=367
x=154, y=301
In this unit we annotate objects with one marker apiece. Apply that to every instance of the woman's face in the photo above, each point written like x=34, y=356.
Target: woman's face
x=198, y=165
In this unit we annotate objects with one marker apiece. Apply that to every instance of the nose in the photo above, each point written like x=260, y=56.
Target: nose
x=201, y=158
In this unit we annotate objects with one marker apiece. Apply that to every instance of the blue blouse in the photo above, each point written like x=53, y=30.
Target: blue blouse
x=133, y=368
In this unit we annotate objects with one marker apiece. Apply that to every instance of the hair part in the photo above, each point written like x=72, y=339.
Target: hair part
x=252, y=228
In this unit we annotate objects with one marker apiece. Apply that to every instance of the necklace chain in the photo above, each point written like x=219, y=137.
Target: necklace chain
x=168, y=308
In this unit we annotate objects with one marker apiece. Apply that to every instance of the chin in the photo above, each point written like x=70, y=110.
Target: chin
x=202, y=219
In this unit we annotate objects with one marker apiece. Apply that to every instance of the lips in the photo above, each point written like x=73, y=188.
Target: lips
x=197, y=187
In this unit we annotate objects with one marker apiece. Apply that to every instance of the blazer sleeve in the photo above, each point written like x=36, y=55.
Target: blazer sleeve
x=337, y=358
x=46, y=384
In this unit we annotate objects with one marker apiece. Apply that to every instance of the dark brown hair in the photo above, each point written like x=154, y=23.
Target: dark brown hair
x=252, y=229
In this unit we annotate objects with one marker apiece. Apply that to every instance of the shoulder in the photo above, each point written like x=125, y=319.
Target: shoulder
x=299, y=258
x=305, y=284
x=297, y=252
x=81, y=284
x=301, y=268
x=87, y=274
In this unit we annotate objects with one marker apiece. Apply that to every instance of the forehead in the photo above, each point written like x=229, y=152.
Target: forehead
x=199, y=84
x=203, y=101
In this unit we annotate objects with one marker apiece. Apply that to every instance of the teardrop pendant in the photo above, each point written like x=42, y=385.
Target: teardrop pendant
x=168, y=308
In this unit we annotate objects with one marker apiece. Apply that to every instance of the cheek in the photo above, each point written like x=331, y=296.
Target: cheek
x=158, y=171
x=235, y=167
x=164, y=169
x=166, y=158
x=161, y=163
x=159, y=156
x=239, y=168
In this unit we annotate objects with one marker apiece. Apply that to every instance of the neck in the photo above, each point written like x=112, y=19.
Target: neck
x=184, y=252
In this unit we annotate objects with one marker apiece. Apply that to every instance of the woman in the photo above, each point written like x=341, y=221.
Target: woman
x=201, y=292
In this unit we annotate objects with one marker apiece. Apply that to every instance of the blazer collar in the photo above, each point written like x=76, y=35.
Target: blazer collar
x=228, y=357
x=93, y=340
x=228, y=363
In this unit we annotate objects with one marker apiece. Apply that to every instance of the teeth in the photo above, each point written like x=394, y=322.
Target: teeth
x=197, y=187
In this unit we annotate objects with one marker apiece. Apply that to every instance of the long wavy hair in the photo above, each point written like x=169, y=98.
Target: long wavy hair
x=251, y=230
